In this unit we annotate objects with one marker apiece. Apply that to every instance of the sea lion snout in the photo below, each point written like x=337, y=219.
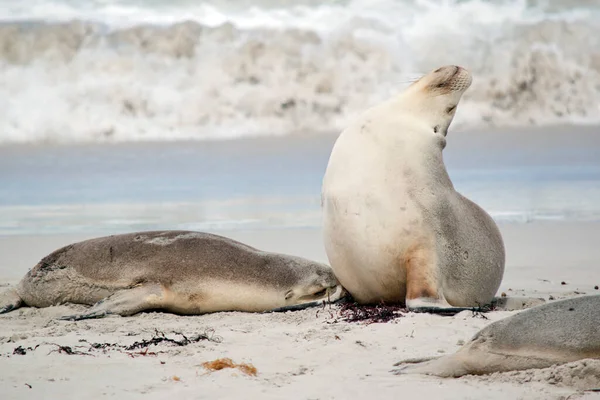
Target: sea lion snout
x=323, y=288
x=449, y=78
x=453, y=69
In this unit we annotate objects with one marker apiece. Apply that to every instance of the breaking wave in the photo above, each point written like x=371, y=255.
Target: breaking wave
x=121, y=70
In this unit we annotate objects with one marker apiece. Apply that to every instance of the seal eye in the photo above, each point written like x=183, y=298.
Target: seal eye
x=440, y=85
x=450, y=109
x=436, y=129
x=320, y=293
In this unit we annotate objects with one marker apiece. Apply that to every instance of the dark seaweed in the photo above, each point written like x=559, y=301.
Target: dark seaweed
x=159, y=337
x=21, y=351
x=370, y=314
x=143, y=345
x=68, y=350
x=350, y=311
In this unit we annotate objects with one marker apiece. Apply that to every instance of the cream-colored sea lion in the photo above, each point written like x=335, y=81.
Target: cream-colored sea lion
x=554, y=333
x=395, y=230
x=178, y=271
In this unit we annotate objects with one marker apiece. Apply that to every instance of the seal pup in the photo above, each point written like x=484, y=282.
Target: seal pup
x=554, y=333
x=182, y=272
x=395, y=230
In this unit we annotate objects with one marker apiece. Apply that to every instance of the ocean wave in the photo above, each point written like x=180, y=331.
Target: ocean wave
x=118, y=71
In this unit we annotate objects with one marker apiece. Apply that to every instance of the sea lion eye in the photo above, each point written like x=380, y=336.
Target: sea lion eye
x=450, y=109
x=440, y=85
x=320, y=293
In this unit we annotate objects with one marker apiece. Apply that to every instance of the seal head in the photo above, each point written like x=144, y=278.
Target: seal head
x=435, y=97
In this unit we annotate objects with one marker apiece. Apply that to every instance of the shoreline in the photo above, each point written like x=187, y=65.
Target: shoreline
x=552, y=129
x=275, y=182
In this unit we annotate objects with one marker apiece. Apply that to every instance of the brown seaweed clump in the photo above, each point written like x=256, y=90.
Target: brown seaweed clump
x=354, y=312
x=222, y=363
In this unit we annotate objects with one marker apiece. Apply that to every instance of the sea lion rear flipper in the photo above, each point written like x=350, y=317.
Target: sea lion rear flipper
x=10, y=300
x=124, y=303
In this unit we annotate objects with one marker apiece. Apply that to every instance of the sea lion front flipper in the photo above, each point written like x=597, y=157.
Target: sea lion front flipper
x=498, y=304
x=448, y=311
x=422, y=289
x=447, y=366
x=438, y=306
x=417, y=360
x=124, y=303
x=10, y=300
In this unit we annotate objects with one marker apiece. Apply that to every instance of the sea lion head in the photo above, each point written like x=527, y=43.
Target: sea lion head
x=314, y=283
x=435, y=96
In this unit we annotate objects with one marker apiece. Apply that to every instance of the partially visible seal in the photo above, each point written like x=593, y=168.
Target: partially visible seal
x=178, y=271
x=395, y=230
x=554, y=333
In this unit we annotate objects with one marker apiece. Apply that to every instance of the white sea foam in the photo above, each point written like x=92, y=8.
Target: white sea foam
x=117, y=70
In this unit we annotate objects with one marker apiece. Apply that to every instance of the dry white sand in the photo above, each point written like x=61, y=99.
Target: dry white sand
x=309, y=354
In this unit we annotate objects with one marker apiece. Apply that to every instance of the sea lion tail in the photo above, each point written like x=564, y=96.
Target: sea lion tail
x=10, y=300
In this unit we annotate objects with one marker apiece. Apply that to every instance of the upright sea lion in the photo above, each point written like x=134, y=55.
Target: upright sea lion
x=179, y=271
x=395, y=230
x=554, y=333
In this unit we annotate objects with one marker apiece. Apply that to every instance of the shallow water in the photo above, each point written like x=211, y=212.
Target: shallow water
x=265, y=183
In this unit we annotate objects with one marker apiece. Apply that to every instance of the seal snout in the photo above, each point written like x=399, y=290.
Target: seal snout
x=462, y=79
x=448, y=70
x=450, y=78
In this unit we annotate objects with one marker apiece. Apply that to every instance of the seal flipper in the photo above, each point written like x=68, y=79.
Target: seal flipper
x=438, y=306
x=10, y=300
x=303, y=306
x=422, y=290
x=418, y=360
x=498, y=304
x=468, y=360
x=448, y=311
x=447, y=366
x=125, y=302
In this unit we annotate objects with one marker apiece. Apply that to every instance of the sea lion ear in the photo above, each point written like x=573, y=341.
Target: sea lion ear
x=289, y=294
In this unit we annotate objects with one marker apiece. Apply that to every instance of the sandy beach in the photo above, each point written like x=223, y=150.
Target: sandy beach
x=220, y=115
x=309, y=354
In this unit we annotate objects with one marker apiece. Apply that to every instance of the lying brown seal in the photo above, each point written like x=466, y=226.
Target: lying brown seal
x=554, y=333
x=179, y=271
